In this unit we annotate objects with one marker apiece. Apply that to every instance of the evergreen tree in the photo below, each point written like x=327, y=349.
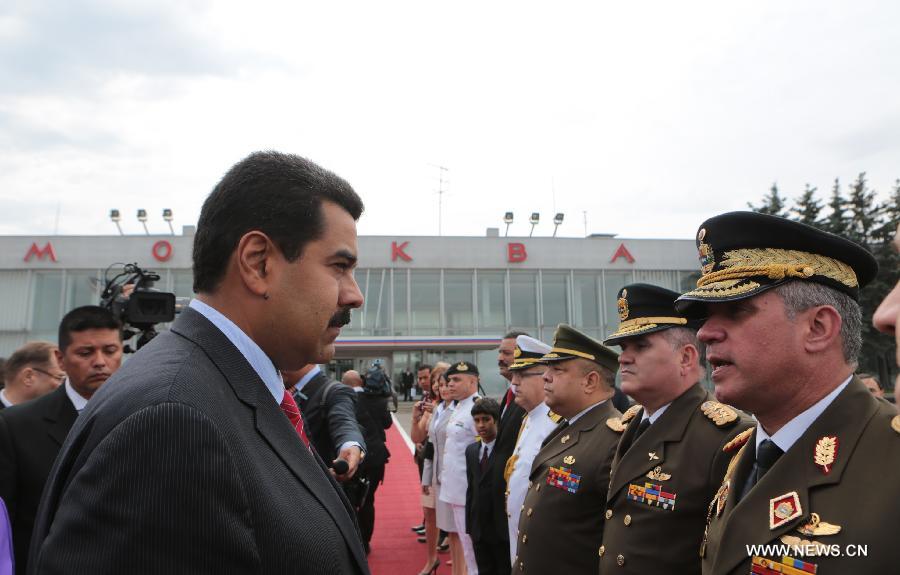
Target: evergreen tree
x=863, y=211
x=837, y=220
x=807, y=208
x=772, y=204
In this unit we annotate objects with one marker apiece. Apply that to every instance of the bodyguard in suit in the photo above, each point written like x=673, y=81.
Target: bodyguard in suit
x=31, y=433
x=561, y=525
x=490, y=553
x=373, y=415
x=329, y=413
x=821, y=469
x=669, y=462
x=194, y=458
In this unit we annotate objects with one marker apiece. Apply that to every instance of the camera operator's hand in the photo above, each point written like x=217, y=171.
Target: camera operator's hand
x=127, y=290
x=353, y=455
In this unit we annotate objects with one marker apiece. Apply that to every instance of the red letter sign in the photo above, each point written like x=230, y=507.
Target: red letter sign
x=397, y=252
x=47, y=250
x=515, y=253
x=622, y=252
x=162, y=251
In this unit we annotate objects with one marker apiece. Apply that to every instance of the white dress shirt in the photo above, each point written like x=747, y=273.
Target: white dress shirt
x=77, y=400
x=460, y=433
x=254, y=354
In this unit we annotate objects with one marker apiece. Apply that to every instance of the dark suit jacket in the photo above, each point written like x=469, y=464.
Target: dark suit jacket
x=330, y=419
x=507, y=433
x=479, y=499
x=31, y=434
x=682, y=453
x=561, y=526
x=373, y=415
x=184, y=463
x=860, y=493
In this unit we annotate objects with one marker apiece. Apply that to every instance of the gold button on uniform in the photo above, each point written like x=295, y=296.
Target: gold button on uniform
x=525, y=538
x=609, y=513
x=530, y=484
x=627, y=520
x=538, y=488
x=620, y=560
x=602, y=550
x=529, y=512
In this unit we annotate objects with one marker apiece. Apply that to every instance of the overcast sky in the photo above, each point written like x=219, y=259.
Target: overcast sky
x=648, y=117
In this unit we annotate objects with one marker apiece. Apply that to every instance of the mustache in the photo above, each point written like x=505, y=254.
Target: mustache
x=340, y=319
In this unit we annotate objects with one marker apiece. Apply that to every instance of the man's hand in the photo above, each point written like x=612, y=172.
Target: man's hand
x=353, y=456
x=426, y=489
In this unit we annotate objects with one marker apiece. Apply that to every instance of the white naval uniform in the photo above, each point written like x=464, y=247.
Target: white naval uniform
x=535, y=428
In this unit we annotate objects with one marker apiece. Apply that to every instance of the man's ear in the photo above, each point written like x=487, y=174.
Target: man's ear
x=60, y=359
x=592, y=382
x=254, y=255
x=689, y=357
x=823, y=328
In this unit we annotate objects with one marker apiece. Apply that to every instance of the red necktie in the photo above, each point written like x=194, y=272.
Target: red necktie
x=290, y=409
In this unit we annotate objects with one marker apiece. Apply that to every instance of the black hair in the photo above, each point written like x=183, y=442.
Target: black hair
x=277, y=194
x=514, y=334
x=424, y=366
x=84, y=318
x=486, y=406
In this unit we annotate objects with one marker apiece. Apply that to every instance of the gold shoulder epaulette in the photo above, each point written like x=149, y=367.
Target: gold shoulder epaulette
x=616, y=424
x=739, y=440
x=895, y=423
x=631, y=412
x=719, y=413
x=554, y=416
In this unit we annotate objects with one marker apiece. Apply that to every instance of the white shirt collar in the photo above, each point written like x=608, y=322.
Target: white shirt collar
x=489, y=445
x=788, y=435
x=254, y=354
x=577, y=416
x=656, y=414
x=306, y=378
x=542, y=409
x=3, y=400
x=359, y=389
x=77, y=400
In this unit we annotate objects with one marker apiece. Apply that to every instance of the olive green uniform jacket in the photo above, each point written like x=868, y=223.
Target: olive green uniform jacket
x=561, y=524
x=679, y=455
x=845, y=469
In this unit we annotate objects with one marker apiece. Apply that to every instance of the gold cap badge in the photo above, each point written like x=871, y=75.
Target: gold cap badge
x=461, y=366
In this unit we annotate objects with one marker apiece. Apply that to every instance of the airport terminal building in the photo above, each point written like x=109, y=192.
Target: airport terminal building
x=427, y=298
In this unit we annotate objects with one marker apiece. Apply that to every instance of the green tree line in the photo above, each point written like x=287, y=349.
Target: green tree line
x=855, y=212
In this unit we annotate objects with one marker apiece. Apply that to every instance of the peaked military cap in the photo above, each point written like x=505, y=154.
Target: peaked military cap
x=743, y=254
x=528, y=352
x=645, y=308
x=464, y=367
x=569, y=343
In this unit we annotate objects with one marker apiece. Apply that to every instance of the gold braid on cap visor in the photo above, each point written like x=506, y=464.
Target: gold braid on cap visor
x=777, y=264
x=644, y=323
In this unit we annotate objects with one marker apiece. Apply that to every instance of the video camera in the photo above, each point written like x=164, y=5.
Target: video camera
x=142, y=308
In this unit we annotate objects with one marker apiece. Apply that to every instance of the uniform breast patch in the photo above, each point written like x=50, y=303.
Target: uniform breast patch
x=651, y=494
x=563, y=478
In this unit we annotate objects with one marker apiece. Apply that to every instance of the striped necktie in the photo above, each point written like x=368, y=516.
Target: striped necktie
x=290, y=409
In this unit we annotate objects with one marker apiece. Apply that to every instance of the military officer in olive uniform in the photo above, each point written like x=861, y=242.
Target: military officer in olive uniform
x=820, y=472
x=670, y=462
x=561, y=522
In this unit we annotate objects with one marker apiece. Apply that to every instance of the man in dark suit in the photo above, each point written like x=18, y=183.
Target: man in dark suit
x=490, y=552
x=194, y=459
x=329, y=413
x=815, y=487
x=31, y=433
x=373, y=415
x=511, y=416
x=31, y=371
x=561, y=526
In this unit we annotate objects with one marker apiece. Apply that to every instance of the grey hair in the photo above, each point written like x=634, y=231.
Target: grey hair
x=799, y=296
x=679, y=337
x=607, y=375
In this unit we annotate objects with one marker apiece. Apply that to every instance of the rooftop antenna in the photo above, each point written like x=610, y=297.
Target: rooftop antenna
x=441, y=191
x=584, y=213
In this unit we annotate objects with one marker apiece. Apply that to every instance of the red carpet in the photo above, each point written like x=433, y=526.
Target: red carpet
x=397, y=508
